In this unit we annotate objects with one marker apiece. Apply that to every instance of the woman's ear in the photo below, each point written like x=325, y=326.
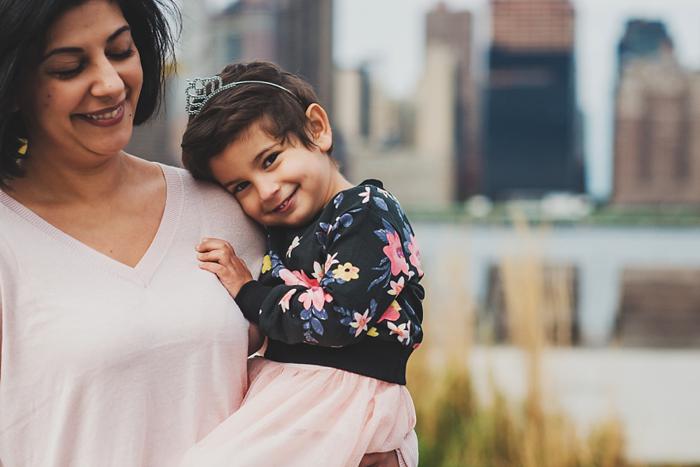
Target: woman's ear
x=320, y=127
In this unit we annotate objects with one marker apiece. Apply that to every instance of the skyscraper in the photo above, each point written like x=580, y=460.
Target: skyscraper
x=657, y=122
x=642, y=38
x=531, y=136
x=296, y=34
x=305, y=43
x=244, y=31
x=454, y=30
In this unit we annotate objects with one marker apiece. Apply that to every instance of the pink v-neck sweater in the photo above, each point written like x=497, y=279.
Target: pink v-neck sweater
x=107, y=365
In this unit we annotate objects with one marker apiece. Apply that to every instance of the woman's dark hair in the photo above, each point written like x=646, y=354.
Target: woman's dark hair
x=23, y=26
x=230, y=113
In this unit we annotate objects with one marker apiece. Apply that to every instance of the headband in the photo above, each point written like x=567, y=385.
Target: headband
x=200, y=90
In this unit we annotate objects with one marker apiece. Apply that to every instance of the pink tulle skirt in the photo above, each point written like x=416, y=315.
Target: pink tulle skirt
x=307, y=415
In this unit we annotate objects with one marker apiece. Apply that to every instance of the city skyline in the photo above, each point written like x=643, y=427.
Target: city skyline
x=396, y=54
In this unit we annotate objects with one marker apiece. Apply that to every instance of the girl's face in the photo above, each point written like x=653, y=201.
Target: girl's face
x=278, y=184
x=81, y=98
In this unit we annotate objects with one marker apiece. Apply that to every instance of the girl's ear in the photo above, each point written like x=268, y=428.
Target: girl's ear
x=320, y=126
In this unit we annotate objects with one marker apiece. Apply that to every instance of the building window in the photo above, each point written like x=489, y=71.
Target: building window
x=682, y=160
x=647, y=127
x=234, y=48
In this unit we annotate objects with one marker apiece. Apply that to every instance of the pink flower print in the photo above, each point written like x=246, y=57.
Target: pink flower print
x=319, y=272
x=330, y=261
x=284, y=302
x=365, y=195
x=292, y=277
x=414, y=257
x=315, y=296
x=360, y=323
x=396, y=287
x=394, y=251
x=401, y=330
x=391, y=313
x=297, y=278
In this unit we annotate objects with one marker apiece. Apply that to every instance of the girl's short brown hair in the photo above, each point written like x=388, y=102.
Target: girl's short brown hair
x=227, y=115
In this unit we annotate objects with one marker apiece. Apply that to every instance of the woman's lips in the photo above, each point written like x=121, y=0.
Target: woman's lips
x=105, y=118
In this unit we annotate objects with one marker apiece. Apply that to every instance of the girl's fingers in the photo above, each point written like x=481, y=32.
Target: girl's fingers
x=214, y=268
x=208, y=244
x=214, y=255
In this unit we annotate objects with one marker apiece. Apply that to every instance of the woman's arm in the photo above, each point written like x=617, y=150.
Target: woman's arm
x=255, y=339
x=380, y=459
x=405, y=456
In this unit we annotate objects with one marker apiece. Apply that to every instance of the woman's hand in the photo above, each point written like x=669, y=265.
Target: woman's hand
x=219, y=257
x=256, y=341
x=380, y=459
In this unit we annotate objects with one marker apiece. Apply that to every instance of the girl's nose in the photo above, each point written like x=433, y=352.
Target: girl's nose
x=268, y=191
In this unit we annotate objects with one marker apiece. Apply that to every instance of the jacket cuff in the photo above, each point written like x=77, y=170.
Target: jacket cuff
x=250, y=299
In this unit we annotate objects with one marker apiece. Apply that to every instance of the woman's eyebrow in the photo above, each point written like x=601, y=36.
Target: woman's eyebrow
x=116, y=33
x=77, y=50
x=62, y=50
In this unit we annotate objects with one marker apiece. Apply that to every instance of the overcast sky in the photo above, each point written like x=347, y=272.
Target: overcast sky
x=390, y=35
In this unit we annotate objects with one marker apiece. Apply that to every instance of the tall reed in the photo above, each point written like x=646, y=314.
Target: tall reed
x=455, y=428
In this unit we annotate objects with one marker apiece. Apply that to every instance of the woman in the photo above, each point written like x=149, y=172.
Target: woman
x=116, y=349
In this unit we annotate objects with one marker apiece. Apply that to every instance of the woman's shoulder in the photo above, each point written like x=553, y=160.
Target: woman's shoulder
x=199, y=191
x=221, y=215
x=188, y=181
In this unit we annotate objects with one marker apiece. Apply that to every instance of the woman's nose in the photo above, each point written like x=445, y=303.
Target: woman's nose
x=108, y=83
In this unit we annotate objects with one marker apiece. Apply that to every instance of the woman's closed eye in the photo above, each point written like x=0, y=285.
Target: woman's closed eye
x=121, y=55
x=67, y=70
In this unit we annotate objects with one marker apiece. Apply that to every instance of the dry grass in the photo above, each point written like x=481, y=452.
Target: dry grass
x=456, y=429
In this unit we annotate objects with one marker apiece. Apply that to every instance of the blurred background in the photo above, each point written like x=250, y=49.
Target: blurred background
x=548, y=153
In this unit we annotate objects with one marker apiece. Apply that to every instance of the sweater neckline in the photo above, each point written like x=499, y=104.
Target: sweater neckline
x=143, y=271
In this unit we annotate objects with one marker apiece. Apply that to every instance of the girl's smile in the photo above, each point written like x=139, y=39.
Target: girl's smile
x=286, y=205
x=280, y=183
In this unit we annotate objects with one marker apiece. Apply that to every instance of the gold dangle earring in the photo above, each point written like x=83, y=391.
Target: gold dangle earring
x=24, y=145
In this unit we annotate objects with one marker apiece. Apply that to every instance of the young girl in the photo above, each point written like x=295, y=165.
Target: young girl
x=338, y=295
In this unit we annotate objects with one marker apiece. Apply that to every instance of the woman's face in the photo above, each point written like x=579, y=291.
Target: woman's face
x=80, y=101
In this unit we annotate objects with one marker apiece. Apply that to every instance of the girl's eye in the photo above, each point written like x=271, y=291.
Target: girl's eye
x=269, y=160
x=240, y=187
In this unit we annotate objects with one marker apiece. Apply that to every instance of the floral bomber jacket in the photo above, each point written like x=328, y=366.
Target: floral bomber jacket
x=344, y=290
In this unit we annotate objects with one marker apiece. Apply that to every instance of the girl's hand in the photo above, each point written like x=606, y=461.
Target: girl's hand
x=219, y=257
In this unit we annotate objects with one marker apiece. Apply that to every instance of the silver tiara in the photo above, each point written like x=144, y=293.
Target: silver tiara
x=200, y=90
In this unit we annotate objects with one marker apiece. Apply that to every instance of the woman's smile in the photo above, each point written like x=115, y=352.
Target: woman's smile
x=106, y=117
